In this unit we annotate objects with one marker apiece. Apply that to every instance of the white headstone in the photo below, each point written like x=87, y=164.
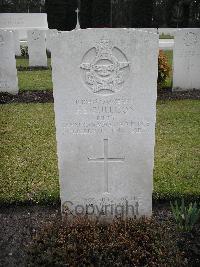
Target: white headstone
x=23, y=22
x=105, y=84
x=8, y=71
x=168, y=31
x=17, y=43
x=49, y=35
x=152, y=30
x=186, y=60
x=166, y=44
x=37, y=48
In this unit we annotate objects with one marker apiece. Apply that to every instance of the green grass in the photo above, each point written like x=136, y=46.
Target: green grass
x=29, y=163
x=25, y=63
x=28, y=153
x=177, y=157
x=35, y=80
x=166, y=36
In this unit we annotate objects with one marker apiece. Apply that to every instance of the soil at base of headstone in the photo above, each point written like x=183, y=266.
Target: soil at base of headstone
x=20, y=223
x=27, y=97
x=47, y=96
x=167, y=94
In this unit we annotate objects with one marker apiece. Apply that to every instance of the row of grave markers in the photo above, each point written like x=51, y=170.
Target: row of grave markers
x=186, y=56
x=105, y=90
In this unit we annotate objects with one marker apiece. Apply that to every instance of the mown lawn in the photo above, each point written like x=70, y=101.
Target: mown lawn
x=23, y=62
x=29, y=163
x=28, y=153
x=35, y=80
x=177, y=157
x=166, y=36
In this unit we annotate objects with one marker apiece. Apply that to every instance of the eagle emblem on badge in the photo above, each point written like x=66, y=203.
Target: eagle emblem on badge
x=107, y=69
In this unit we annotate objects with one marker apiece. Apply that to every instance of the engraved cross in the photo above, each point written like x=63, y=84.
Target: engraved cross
x=106, y=159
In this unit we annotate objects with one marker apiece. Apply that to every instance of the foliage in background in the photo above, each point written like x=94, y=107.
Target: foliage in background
x=18, y=6
x=61, y=14
x=163, y=69
x=86, y=13
x=82, y=242
x=24, y=51
x=185, y=216
x=194, y=14
x=100, y=13
x=142, y=13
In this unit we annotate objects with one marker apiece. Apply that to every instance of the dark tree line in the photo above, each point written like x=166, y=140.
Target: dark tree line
x=112, y=13
x=18, y=6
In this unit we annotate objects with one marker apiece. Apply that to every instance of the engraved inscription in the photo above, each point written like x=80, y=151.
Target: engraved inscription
x=104, y=116
x=4, y=84
x=190, y=38
x=190, y=47
x=36, y=36
x=187, y=53
x=106, y=126
x=104, y=106
x=12, y=22
x=106, y=159
x=105, y=73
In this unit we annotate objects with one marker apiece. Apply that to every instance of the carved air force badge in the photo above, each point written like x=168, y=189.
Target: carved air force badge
x=105, y=68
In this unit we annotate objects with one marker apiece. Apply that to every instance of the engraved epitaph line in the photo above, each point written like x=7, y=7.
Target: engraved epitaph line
x=106, y=160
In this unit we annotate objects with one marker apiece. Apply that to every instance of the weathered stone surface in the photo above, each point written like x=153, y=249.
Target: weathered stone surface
x=166, y=44
x=17, y=43
x=23, y=22
x=152, y=30
x=105, y=88
x=49, y=35
x=37, y=48
x=168, y=31
x=186, y=60
x=8, y=71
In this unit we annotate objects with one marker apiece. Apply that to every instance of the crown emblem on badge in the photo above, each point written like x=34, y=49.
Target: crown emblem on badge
x=104, y=48
x=105, y=73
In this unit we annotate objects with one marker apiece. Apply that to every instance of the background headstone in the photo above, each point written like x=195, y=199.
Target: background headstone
x=105, y=109
x=152, y=30
x=49, y=35
x=186, y=60
x=23, y=22
x=168, y=31
x=37, y=48
x=17, y=43
x=8, y=71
